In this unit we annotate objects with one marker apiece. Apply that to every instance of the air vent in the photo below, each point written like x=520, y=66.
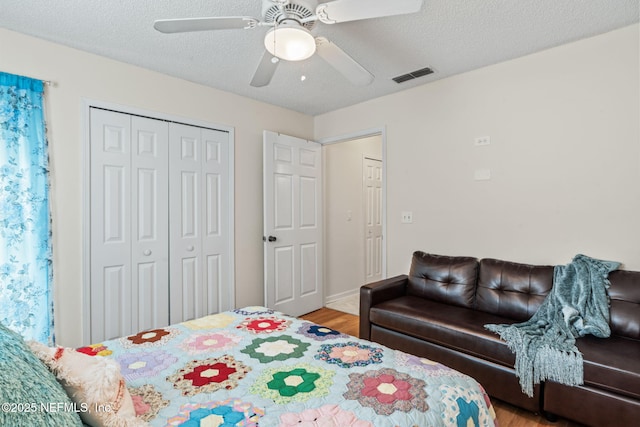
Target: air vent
x=413, y=75
x=403, y=78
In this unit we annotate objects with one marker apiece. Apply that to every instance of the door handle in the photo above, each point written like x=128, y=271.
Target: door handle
x=270, y=239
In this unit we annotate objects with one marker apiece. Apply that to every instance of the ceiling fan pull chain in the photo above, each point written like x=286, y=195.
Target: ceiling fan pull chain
x=275, y=37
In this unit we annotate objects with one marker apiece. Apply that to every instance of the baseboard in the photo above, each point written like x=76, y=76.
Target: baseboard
x=328, y=299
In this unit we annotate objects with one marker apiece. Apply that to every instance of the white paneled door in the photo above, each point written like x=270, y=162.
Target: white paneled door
x=129, y=233
x=199, y=213
x=292, y=224
x=372, y=187
x=161, y=248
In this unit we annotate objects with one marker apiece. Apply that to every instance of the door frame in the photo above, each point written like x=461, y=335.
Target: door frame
x=86, y=106
x=382, y=132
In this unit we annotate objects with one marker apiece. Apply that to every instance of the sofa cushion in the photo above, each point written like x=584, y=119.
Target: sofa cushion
x=458, y=328
x=445, y=279
x=611, y=364
x=512, y=290
x=624, y=293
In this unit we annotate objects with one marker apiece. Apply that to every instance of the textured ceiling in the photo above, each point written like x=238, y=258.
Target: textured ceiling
x=450, y=36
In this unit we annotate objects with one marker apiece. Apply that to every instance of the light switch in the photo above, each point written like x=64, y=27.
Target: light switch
x=482, y=174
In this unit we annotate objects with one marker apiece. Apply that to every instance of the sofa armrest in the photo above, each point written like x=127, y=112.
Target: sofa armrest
x=375, y=293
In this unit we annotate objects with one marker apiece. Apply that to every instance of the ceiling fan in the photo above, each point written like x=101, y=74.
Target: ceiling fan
x=290, y=38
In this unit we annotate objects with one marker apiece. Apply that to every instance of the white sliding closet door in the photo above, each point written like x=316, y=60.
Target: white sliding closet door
x=149, y=220
x=129, y=233
x=199, y=216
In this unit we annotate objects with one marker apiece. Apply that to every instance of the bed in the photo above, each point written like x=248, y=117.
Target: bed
x=257, y=367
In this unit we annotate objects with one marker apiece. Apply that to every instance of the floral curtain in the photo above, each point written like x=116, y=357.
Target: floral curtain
x=26, y=300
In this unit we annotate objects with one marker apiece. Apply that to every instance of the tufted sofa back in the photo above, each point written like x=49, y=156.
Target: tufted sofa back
x=624, y=294
x=512, y=290
x=442, y=278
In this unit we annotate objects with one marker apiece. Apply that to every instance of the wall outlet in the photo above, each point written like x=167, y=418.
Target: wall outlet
x=407, y=217
x=482, y=140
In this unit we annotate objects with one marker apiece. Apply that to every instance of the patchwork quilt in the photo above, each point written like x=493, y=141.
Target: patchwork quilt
x=257, y=367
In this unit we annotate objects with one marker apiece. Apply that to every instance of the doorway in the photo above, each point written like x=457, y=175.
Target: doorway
x=350, y=253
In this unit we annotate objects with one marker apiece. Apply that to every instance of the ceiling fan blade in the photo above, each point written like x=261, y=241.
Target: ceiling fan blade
x=352, y=10
x=266, y=70
x=342, y=62
x=184, y=25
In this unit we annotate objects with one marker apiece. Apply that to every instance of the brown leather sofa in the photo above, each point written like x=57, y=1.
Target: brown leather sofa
x=439, y=311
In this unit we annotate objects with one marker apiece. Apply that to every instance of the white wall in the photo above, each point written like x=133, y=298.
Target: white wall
x=77, y=76
x=344, y=269
x=564, y=157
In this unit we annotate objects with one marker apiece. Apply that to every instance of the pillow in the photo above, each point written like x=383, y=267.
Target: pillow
x=29, y=393
x=93, y=383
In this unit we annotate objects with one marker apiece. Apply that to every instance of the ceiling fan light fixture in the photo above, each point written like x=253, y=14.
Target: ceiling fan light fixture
x=290, y=41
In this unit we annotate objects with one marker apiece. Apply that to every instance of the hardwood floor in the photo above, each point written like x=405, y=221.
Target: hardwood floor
x=334, y=319
x=507, y=415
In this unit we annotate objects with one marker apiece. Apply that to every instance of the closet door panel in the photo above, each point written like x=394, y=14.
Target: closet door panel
x=115, y=296
x=150, y=222
x=199, y=232
x=185, y=217
x=215, y=241
x=110, y=244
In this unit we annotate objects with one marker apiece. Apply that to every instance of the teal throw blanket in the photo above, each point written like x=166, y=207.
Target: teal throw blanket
x=578, y=304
